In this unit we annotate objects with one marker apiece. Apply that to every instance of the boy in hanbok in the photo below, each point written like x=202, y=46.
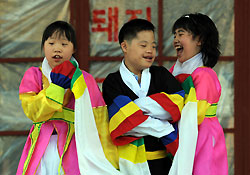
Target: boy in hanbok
x=202, y=148
x=144, y=104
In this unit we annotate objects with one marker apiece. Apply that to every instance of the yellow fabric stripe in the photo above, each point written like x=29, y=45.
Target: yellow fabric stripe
x=211, y=111
x=191, y=96
x=122, y=114
x=156, y=154
x=55, y=93
x=102, y=123
x=177, y=99
x=33, y=136
x=79, y=87
x=203, y=105
x=132, y=153
x=33, y=106
x=66, y=115
x=206, y=110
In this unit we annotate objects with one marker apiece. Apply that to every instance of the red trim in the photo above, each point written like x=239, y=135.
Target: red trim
x=124, y=140
x=173, y=146
x=168, y=105
x=182, y=77
x=128, y=124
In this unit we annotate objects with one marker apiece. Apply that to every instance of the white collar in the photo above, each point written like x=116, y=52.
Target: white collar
x=131, y=82
x=46, y=69
x=188, y=66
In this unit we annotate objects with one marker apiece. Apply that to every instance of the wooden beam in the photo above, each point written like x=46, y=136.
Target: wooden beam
x=242, y=86
x=20, y=60
x=80, y=20
x=14, y=133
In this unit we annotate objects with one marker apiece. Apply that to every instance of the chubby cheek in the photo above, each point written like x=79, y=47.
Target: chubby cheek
x=68, y=55
x=154, y=53
x=47, y=52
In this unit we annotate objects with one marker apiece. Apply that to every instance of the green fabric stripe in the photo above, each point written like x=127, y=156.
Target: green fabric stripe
x=74, y=63
x=62, y=120
x=65, y=112
x=211, y=115
x=35, y=123
x=68, y=109
x=76, y=75
x=187, y=84
x=138, y=143
x=211, y=111
x=33, y=143
x=54, y=100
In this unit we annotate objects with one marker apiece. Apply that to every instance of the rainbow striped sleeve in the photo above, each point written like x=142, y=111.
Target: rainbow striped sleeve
x=171, y=141
x=173, y=103
x=124, y=115
x=188, y=86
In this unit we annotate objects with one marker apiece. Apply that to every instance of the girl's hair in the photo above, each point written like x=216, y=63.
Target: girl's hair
x=202, y=26
x=62, y=28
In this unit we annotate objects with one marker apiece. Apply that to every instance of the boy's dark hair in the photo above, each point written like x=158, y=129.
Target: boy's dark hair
x=202, y=26
x=130, y=29
x=62, y=28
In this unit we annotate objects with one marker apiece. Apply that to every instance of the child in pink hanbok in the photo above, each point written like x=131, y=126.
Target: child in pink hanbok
x=63, y=139
x=201, y=138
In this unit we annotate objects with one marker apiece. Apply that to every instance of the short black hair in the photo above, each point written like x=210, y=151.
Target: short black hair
x=130, y=29
x=62, y=28
x=201, y=25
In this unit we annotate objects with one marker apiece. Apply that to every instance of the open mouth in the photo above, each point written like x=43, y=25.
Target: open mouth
x=148, y=57
x=179, y=49
x=57, y=57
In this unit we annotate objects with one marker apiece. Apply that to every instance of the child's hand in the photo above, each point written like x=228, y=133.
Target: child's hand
x=62, y=74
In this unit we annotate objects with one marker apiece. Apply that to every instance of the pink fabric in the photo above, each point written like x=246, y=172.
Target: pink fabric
x=94, y=92
x=207, y=85
x=24, y=154
x=32, y=82
x=211, y=154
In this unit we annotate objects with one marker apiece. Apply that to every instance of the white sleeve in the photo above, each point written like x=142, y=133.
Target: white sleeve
x=151, y=126
x=152, y=108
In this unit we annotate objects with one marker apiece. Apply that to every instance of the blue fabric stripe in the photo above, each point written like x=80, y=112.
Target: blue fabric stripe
x=170, y=137
x=60, y=80
x=181, y=93
x=118, y=103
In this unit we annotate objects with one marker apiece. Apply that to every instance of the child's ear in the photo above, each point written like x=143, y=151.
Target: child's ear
x=199, y=41
x=124, y=46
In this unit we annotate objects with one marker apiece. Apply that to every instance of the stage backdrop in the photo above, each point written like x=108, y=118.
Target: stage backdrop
x=21, y=27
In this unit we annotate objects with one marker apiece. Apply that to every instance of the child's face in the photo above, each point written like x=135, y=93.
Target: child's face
x=185, y=45
x=57, y=49
x=139, y=53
